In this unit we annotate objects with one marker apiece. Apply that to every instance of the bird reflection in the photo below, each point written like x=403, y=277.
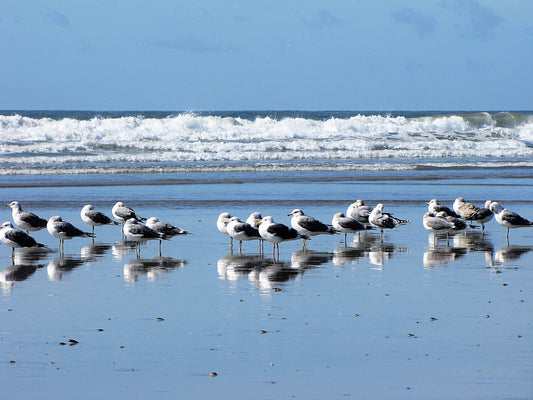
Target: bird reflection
x=60, y=265
x=236, y=266
x=438, y=256
x=16, y=273
x=122, y=248
x=92, y=252
x=152, y=268
x=307, y=259
x=508, y=254
x=265, y=272
x=30, y=255
x=367, y=245
x=348, y=255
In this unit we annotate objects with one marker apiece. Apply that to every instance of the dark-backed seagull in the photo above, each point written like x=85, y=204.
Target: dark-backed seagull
x=507, y=218
x=95, y=218
x=346, y=225
x=382, y=220
x=122, y=213
x=138, y=232
x=482, y=215
x=26, y=220
x=242, y=231
x=15, y=238
x=165, y=228
x=308, y=226
x=276, y=233
x=63, y=230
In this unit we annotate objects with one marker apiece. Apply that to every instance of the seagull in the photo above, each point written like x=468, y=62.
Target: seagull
x=15, y=238
x=63, y=230
x=308, y=226
x=382, y=220
x=123, y=213
x=240, y=231
x=222, y=225
x=95, y=218
x=434, y=207
x=359, y=212
x=254, y=218
x=26, y=220
x=276, y=233
x=164, y=228
x=138, y=232
x=346, y=225
x=464, y=209
x=458, y=223
x=482, y=215
x=436, y=224
x=507, y=218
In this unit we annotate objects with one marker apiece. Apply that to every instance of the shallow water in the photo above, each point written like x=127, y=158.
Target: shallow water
x=398, y=319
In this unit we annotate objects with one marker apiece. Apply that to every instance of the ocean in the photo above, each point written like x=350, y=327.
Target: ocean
x=400, y=317
x=77, y=142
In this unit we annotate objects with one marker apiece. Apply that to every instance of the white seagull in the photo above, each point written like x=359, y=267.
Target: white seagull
x=359, y=211
x=464, y=209
x=276, y=233
x=242, y=231
x=26, y=220
x=346, y=225
x=507, y=218
x=138, y=232
x=308, y=226
x=15, y=238
x=254, y=218
x=63, y=230
x=382, y=220
x=95, y=218
x=222, y=225
x=434, y=207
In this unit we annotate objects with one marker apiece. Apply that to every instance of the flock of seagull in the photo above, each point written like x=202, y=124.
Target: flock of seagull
x=359, y=217
x=132, y=226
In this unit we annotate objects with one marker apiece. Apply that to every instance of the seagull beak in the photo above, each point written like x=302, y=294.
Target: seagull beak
x=258, y=223
x=289, y=214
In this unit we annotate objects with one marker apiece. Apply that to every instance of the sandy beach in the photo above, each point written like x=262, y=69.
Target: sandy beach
x=398, y=319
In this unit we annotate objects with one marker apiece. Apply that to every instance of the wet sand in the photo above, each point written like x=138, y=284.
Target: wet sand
x=398, y=319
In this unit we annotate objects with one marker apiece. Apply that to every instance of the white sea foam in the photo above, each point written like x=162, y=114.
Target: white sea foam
x=109, y=144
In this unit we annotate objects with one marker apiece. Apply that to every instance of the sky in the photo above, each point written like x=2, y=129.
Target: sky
x=357, y=55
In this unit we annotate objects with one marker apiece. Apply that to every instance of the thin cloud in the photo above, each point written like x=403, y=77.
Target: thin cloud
x=476, y=21
x=58, y=18
x=323, y=19
x=190, y=44
x=422, y=24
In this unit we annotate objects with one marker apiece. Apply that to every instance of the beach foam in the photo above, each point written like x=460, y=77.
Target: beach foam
x=44, y=145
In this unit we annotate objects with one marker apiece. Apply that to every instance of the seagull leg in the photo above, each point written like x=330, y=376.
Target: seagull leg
x=160, y=249
x=240, y=246
x=345, y=245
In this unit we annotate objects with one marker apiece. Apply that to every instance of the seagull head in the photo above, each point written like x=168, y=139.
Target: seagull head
x=15, y=205
x=296, y=213
x=495, y=207
x=6, y=225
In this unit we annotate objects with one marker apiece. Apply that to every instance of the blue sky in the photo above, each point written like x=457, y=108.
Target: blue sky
x=267, y=55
